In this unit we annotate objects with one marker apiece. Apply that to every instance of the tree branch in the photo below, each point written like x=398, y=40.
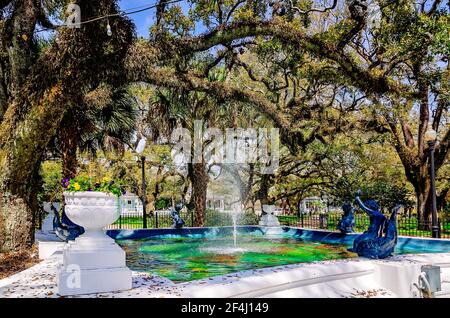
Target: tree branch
x=358, y=76
x=304, y=12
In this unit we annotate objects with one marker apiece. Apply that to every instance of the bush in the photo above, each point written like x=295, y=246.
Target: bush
x=162, y=203
x=216, y=218
x=249, y=218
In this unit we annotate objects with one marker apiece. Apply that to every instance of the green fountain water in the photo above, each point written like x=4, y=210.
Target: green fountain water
x=184, y=259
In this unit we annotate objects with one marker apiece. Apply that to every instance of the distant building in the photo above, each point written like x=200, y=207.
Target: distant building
x=131, y=205
x=222, y=203
x=312, y=205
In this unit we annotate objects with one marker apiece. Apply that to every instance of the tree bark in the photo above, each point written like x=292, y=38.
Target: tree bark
x=199, y=180
x=69, y=136
x=20, y=157
x=422, y=187
x=16, y=222
x=263, y=193
x=423, y=208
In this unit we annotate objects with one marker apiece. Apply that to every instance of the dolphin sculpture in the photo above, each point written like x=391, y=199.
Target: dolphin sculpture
x=347, y=222
x=380, y=239
x=383, y=246
x=376, y=218
x=178, y=222
x=64, y=228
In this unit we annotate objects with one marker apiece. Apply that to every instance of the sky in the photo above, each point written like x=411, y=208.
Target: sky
x=145, y=19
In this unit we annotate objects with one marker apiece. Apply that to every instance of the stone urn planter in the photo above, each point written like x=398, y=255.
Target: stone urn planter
x=93, y=211
x=93, y=263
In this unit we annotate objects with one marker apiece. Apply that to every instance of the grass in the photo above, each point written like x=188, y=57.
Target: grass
x=164, y=220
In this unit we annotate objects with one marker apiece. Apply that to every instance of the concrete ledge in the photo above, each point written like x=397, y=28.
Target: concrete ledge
x=47, y=249
x=398, y=278
x=93, y=281
x=111, y=258
x=259, y=283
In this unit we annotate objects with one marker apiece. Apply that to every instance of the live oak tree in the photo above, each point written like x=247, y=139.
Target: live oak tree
x=77, y=61
x=392, y=70
x=395, y=68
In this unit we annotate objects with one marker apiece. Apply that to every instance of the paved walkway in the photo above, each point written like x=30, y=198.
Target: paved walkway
x=39, y=281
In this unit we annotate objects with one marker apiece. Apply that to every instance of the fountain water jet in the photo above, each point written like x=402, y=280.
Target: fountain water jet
x=236, y=210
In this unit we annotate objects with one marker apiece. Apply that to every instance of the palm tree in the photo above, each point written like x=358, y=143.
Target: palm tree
x=178, y=107
x=107, y=124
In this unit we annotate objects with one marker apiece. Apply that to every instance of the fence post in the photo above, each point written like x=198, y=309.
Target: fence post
x=120, y=221
x=192, y=218
x=156, y=219
x=301, y=219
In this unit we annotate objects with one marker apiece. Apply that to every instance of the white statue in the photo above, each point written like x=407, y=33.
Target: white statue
x=268, y=218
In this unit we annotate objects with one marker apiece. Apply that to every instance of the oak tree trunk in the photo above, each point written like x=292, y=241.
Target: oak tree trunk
x=199, y=180
x=16, y=222
x=263, y=193
x=39, y=98
x=20, y=157
x=69, y=136
x=423, y=196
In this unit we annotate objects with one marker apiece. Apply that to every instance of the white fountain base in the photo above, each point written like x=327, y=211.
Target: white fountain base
x=93, y=263
x=269, y=220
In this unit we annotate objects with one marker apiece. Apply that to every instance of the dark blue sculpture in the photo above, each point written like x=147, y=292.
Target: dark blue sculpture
x=381, y=237
x=384, y=246
x=64, y=228
x=178, y=222
x=347, y=222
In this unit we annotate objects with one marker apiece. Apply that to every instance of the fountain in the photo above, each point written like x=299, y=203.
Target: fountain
x=236, y=210
x=268, y=217
x=347, y=222
x=380, y=239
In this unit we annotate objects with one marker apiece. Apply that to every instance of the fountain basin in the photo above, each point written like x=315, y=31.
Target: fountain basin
x=205, y=253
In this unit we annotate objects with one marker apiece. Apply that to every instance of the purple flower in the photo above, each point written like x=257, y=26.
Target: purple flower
x=97, y=185
x=90, y=189
x=123, y=190
x=65, y=182
x=111, y=183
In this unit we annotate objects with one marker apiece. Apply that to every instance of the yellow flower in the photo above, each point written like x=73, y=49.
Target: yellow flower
x=24, y=37
x=106, y=179
x=77, y=186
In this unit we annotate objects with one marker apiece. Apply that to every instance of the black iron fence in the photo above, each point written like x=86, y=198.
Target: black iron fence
x=163, y=219
x=407, y=226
